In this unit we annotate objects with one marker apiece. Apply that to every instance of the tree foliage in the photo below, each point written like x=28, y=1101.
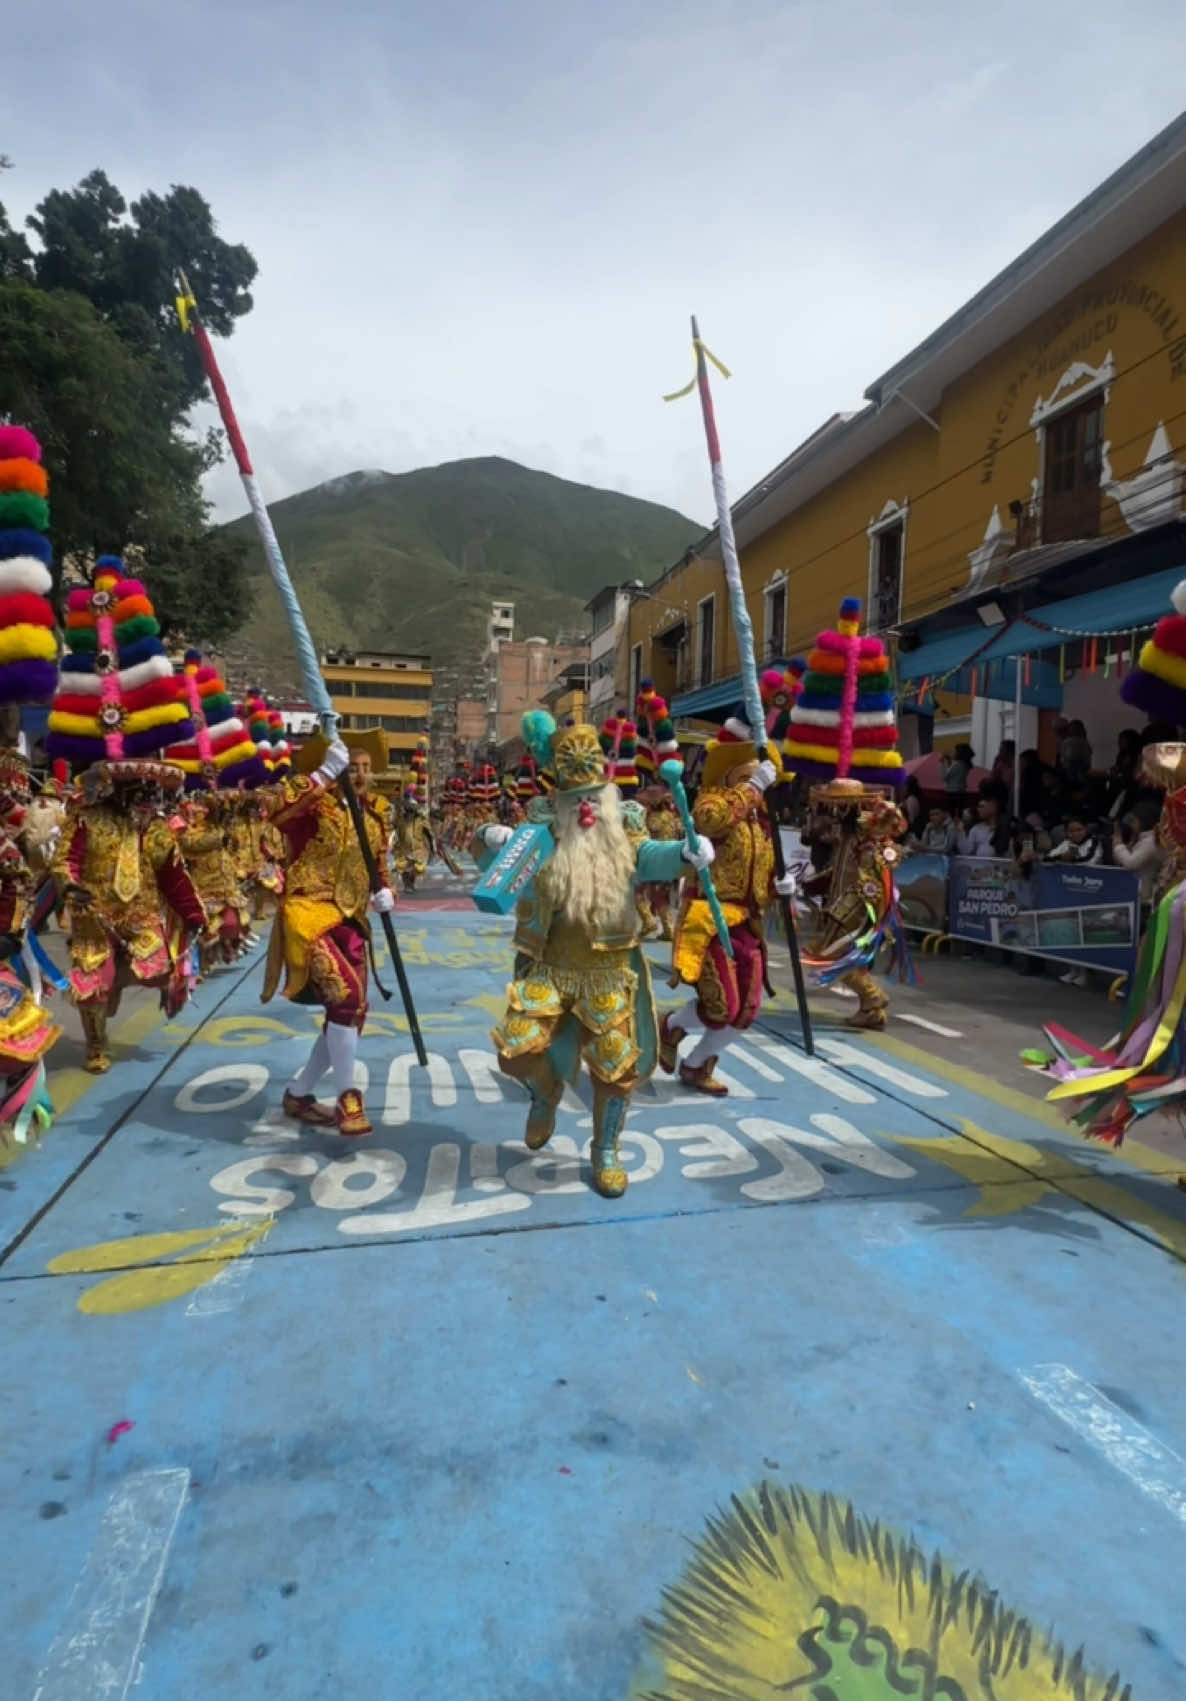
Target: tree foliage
x=92, y=359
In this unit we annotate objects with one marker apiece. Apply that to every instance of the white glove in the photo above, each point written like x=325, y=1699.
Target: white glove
x=786, y=885
x=335, y=763
x=764, y=778
x=497, y=835
x=383, y=901
x=705, y=853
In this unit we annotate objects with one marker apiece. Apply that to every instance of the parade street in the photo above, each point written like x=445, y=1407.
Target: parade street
x=290, y=1416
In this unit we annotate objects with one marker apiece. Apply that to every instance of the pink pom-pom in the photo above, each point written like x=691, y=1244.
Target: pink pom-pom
x=80, y=598
x=17, y=443
x=129, y=588
x=871, y=647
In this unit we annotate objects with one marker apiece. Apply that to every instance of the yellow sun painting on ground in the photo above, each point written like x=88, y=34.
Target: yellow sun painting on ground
x=796, y=1595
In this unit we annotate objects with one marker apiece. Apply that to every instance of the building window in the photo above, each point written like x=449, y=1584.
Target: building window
x=776, y=620
x=635, y=671
x=887, y=552
x=706, y=640
x=1071, y=475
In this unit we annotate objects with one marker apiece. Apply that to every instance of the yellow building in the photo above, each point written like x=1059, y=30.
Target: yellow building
x=369, y=688
x=567, y=697
x=1026, y=459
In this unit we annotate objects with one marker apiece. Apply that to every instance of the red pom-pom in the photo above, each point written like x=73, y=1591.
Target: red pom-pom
x=16, y=443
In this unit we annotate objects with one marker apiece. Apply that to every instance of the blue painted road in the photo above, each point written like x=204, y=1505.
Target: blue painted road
x=427, y=1417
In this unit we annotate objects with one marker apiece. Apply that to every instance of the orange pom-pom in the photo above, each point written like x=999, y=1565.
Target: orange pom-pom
x=26, y=475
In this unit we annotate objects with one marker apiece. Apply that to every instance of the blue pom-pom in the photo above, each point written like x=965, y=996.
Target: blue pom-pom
x=114, y=562
x=850, y=608
x=17, y=540
x=537, y=727
x=194, y=656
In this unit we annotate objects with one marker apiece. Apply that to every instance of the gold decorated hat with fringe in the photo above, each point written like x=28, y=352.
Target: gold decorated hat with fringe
x=572, y=755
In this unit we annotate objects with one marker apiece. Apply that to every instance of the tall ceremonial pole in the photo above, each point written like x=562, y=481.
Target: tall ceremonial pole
x=314, y=684
x=744, y=631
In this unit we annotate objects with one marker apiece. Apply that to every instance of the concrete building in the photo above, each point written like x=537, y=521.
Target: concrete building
x=372, y=688
x=567, y=697
x=520, y=675
x=609, y=614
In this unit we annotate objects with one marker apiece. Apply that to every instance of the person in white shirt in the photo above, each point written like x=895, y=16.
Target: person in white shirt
x=1137, y=848
x=989, y=835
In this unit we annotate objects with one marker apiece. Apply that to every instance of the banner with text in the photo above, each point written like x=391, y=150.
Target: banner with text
x=1073, y=913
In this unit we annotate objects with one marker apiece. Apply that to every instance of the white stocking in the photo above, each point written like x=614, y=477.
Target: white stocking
x=712, y=1042
x=318, y=1062
x=685, y=1018
x=343, y=1044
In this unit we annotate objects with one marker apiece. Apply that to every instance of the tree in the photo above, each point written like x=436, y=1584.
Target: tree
x=121, y=472
x=127, y=266
x=93, y=360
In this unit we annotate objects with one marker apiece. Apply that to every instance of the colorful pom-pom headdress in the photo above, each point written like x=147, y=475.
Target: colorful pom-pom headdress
x=281, y=749
x=780, y=691
x=416, y=790
x=842, y=725
x=732, y=748
x=483, y=784
x=619, y=743
x=28, y=643
x=222, y=751
x=119, y=704
x=527, y=783
x=656, y=731
x=1157, y=684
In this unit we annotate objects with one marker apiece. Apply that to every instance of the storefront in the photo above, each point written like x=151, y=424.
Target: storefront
x=1020, y=671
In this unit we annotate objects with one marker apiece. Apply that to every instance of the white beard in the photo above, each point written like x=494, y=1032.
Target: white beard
x=589, y=878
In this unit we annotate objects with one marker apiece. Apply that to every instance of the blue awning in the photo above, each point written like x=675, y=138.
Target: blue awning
x=723, y=695
x=1131, y=605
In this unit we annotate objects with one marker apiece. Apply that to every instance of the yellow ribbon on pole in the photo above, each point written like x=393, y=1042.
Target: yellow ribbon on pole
x=699, y=348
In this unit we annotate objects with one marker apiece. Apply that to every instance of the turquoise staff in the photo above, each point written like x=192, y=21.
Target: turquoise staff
x=672, y=774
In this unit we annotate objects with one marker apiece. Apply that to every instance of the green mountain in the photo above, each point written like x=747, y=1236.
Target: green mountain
x=412, y=561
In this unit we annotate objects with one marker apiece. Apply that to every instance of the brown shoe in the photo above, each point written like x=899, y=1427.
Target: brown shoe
x=670, y=1040
x=303, y=1107
x=871, y=1020
x=352, y=1114
x=702, y=1080
x=97, y=1063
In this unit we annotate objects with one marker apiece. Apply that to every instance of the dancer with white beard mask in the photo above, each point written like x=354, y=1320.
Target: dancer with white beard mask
x=581, y=988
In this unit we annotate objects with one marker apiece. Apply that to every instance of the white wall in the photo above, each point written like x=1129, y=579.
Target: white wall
x=1096, y=701
x=992, y=722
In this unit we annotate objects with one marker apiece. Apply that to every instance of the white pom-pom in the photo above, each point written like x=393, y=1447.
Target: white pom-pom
x=25, y=573
x=156, y=667
x=1179, y=597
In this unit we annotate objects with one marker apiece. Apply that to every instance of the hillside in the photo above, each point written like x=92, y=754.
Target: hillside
x=412, y=561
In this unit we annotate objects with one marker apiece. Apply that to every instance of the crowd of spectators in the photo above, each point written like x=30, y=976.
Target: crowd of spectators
x=1066, y=811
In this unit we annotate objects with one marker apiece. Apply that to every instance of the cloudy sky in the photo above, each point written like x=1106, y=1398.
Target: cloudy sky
x=481, y=227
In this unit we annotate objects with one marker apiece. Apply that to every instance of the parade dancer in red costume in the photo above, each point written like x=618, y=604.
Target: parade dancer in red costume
x=321, y=934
